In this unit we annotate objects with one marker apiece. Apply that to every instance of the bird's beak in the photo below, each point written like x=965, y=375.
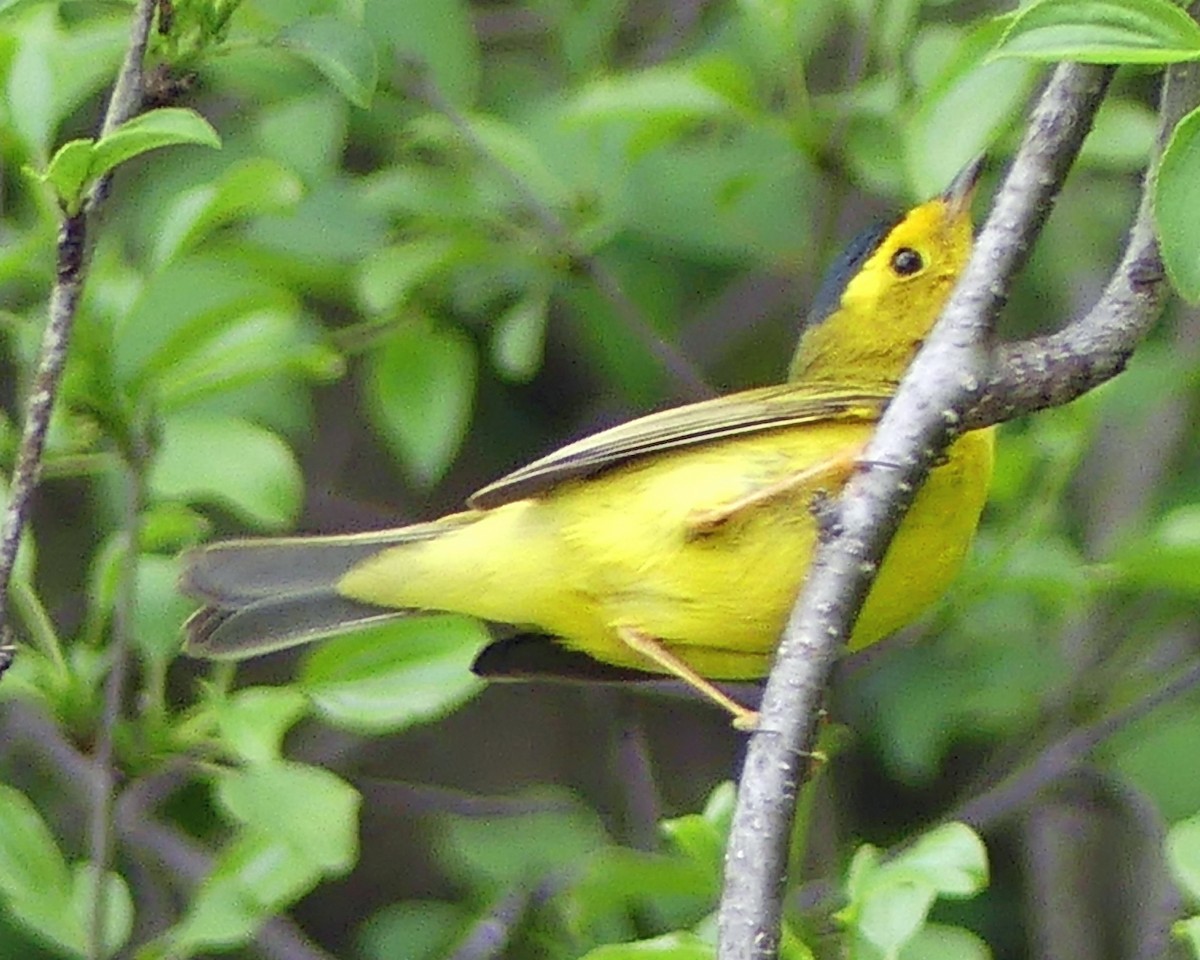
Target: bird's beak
x=961, y=191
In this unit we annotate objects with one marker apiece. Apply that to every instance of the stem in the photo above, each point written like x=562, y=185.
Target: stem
x=70, y=273
x=114, y=694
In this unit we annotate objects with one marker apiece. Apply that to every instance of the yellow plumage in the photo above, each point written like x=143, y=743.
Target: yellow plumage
x=672, y=544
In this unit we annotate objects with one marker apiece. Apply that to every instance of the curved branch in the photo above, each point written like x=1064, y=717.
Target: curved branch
x=1055, y=369
x=945, y=381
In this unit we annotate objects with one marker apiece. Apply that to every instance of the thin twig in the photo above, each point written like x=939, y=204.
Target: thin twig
x=70, y=273
x=489, y=936
x=114, y=696
x=1014, y=792
x=682, y=370
x=944, y=382
x=1067, y=753
x=1052, y=370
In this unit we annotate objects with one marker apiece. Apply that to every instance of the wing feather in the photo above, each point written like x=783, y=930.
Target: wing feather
x=752, y=411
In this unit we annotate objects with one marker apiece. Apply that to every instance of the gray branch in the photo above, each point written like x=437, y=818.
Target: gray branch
x=955, y=382
x=70, y=272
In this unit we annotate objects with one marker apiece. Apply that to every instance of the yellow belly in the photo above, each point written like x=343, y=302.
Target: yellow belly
x=618, y=550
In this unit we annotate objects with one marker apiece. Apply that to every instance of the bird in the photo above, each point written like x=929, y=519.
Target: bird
x=673, y=545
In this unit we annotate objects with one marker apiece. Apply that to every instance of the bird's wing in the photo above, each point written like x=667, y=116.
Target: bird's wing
x=752, y=411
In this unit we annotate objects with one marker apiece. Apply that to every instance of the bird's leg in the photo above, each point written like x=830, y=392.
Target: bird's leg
x=743, y=717
x=835, y=469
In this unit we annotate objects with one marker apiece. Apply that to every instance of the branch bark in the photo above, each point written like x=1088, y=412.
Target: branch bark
x=955, y=383
x=70, y=273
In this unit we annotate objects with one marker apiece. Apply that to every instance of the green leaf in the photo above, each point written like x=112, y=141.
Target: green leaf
x=34, y=878
x=312, y=811
x=1183, y=856
x=718, y=809
x=969, y=104
x=420, y=388
x=656, y=95
x=889, y=900
x=1166, y=558
x=299, y=823
x=248, y=187
x=1189, y=932
x=438, y=36
x=414, y=929
x=253, y=878
x=389, y=678
x=547, y=832
x=680, y=945
x=937, y=942
x=308, y=135
x=169, y=527
x=1176, y=199
x=701, y=836
x=1122, y=136
x=118, y=905
x=69, y=173
x=225, y=460
x=950, y=858
x=30, y=81
x=165, y=127
x=893, y=913
x=181, y=311
x=245, y=351
x=388, y=277
x=342, y=51
x=519, y=336
x=159, y=609
x=1102, y=31
x=254, y=720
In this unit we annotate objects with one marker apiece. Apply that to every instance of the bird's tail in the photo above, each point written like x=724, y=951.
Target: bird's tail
x=264, y=595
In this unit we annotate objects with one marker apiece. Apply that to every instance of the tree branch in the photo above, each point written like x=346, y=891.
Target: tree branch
x=1055, y=369
x=70, y=273
x=945, y=382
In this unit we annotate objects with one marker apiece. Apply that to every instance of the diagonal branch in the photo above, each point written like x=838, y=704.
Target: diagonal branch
x=946, y=381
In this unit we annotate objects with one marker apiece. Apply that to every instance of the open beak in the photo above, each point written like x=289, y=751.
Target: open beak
x=961, y=191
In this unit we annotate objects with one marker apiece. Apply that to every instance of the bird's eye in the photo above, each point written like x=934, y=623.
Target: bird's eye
x=906, y=261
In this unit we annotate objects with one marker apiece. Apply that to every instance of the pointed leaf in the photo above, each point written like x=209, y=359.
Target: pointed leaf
x=1176, y=200
x=519, y=337
x=149, y=131
x=1102, y=31
x=388, y=678
x=118, y=905
x=69, y=172
x=248, y=187
x=342, y=51
x=1183, y=856
x=420, y=387
x=214, y=459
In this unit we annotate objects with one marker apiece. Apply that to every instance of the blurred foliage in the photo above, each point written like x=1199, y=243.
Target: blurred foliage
x=437, y=238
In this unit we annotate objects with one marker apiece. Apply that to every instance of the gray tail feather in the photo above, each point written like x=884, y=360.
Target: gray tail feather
x=223, y=633
x=264, y=595
x=235, y=572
